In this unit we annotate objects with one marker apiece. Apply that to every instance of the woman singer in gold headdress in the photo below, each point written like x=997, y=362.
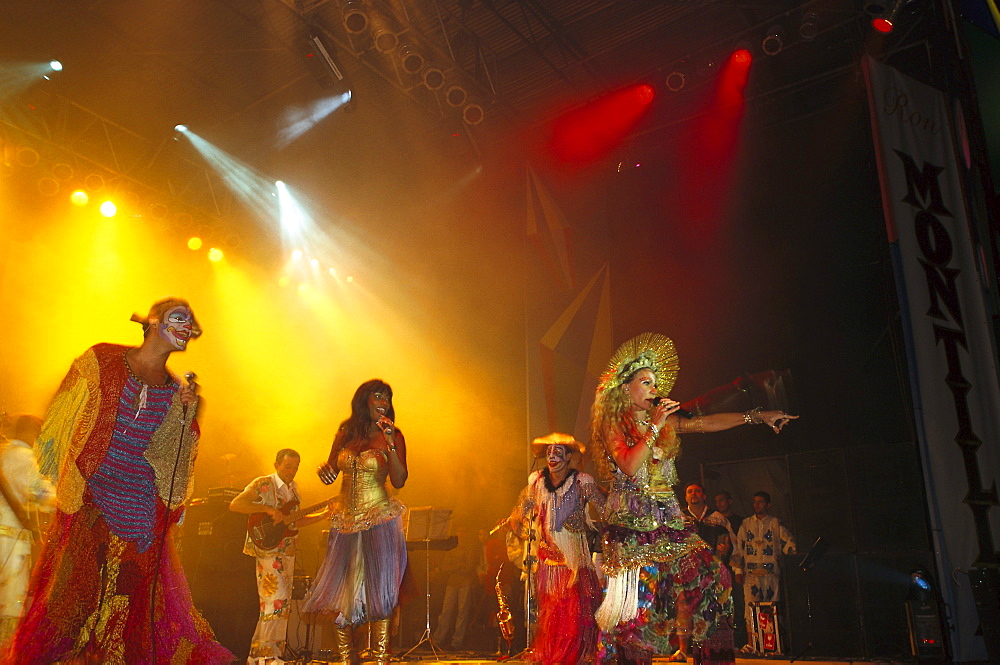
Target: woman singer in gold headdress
x=661, y=576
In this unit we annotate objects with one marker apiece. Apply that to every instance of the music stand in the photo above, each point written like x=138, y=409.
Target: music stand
x=427, y=524
x=818, y=549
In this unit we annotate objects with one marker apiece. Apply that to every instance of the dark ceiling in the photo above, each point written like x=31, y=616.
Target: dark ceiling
x=231, y=69
x=142, y=63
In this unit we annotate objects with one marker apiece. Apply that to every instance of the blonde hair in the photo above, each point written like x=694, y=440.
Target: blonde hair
x=610, y=413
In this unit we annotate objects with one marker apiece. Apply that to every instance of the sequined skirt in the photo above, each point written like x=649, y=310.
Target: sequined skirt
x=360, y=576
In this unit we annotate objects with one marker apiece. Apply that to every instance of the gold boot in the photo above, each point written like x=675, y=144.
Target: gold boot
x=345, y=645
x=380, y=641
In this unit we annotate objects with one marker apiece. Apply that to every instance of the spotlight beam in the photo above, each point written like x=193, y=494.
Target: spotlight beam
x=249, y=186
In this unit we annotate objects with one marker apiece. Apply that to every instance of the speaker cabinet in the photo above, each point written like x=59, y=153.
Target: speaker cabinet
x=222, y=579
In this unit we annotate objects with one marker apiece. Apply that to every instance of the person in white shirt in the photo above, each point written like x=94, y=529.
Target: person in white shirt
x=29, y=491
x=277, y=495
x=760, y=543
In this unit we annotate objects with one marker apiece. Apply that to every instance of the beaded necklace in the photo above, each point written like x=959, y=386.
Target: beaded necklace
x=140, y=402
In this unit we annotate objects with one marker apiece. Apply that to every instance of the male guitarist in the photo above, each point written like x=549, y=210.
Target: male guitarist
x=23, y=490
x=278, y=496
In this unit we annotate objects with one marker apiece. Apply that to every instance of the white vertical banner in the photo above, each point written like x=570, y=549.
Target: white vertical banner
x=952, y=365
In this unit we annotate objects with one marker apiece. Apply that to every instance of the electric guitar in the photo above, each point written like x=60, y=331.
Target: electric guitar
x=267, y=534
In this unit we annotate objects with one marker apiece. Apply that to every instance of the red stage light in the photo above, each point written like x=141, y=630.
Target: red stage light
x=589, y=133
x=883, y=25
x=645, y=94
x=742, y=57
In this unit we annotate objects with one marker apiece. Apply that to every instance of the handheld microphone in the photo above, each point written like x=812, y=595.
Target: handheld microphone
x=680, y=412
x=189, y=377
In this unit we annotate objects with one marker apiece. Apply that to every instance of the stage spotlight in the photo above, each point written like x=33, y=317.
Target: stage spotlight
x=55, y=65
x=194, y=244
x=94, y=182
x=28, y=157
x=742, y=57
x=887, y=20
x=924, y=618
x=180, y=128
x=645, y=94
x=109, y=209
x=410, y=59
x=774, y=40
x=809, y=27
x=48, y=186
x=920, y=580
x=473, y=114
x=433, y=78
x=383, y=36
x=158, y=211
x=675, y=81
x=875, y=7
x=455, y=95
x=62, y=171
x=297, y=255
x=215, y=254
x=355, y=16
x=79, y=198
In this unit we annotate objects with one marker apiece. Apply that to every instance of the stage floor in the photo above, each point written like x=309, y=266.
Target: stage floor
x=480, y=660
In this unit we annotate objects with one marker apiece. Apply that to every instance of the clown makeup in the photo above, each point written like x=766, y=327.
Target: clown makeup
x=557, y=458
x=176, y=326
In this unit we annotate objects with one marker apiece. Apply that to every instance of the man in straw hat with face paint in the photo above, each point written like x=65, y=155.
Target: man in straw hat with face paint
x=552, y=509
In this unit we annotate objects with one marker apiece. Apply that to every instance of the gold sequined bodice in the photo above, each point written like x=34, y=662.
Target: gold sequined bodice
x=364, y=477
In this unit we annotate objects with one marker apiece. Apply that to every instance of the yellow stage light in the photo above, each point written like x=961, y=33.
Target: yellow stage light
x=215, y=254
x=314, y=263
x=296, y=255
x=79, y=198
x=284, y=281
x=194, y=244
x=109, y=209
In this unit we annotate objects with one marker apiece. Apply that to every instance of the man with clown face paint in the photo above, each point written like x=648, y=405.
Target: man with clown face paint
x=552, y=510
x=121, y=437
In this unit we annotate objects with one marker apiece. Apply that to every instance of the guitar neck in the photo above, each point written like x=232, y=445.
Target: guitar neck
x=302, y=512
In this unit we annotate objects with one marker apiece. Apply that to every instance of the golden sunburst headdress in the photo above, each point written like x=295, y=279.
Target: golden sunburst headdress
x=646, y=351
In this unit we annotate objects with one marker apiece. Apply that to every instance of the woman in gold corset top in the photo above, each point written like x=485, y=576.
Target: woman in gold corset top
x=358, y=581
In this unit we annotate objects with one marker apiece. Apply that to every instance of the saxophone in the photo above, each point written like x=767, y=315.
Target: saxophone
x=504, y=618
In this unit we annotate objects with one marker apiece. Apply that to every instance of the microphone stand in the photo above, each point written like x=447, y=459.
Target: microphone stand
x=190, y=376
x=817, y=550
x=529, y=561
x=426, y=636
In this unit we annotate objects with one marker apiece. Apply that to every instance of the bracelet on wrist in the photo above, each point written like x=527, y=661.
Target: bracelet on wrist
x=753, y=417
